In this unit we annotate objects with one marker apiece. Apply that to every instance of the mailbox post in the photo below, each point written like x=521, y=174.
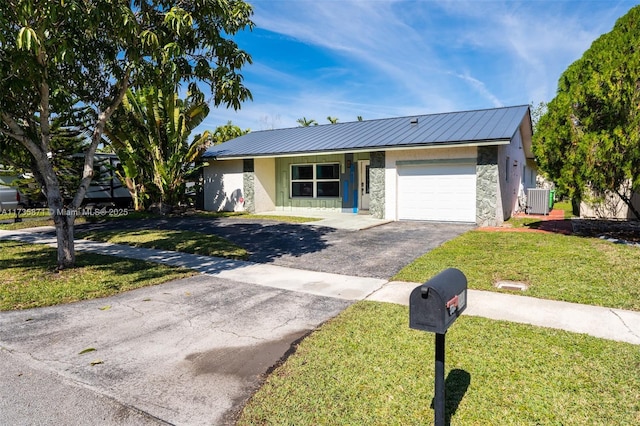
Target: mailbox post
x=433, y=307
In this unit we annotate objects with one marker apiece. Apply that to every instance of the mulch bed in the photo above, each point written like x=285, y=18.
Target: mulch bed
x=621, y=230
x=626, y=230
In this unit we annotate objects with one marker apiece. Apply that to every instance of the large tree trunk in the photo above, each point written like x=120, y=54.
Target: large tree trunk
x=64, y=221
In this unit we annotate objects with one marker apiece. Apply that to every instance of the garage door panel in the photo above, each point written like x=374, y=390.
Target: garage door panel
x=437, y=193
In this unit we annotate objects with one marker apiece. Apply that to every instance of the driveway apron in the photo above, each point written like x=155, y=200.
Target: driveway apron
x=187, y=352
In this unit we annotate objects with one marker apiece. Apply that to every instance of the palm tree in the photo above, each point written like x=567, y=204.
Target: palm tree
x=304, y=122
x=150, y=135
x=332, y=120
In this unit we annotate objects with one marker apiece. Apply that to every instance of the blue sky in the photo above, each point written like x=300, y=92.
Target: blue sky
x=380, y=58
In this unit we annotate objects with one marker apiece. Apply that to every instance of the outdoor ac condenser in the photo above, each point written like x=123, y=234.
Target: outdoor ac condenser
x=538, y=201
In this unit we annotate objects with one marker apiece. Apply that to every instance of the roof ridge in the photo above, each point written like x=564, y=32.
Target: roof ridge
x=398, y=117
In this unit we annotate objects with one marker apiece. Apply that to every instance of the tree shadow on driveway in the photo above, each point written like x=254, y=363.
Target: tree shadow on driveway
x=265, y=240
x=378, y=252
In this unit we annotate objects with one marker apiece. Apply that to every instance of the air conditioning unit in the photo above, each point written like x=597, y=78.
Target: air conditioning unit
x=538, y=201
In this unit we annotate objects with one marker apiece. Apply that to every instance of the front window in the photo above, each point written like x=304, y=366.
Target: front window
x=315, y=180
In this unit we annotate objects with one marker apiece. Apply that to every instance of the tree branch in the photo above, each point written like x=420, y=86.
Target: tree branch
x=627, y=200
x=96, y=137
x=18, y=134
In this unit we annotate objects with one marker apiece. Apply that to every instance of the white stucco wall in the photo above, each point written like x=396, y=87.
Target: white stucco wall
x=611, y=207
x=264, y=184
x=391, y=171
x=514, y=171
x=223, y=184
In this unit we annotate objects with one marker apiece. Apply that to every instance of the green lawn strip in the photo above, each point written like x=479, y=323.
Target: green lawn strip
x=28, y=278
x=566, y=206
x=568, y=268
x=27, y=223
x=44, y=215
x=245, y=215
x=26, y=213
x=44, y=219
x=36, y=223
x=282, y=218
x=523, y=222
x=366, y=367
x=164, y=239
x=41, y=217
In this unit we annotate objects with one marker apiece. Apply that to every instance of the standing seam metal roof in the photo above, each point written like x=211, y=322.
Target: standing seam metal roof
x=497, y=124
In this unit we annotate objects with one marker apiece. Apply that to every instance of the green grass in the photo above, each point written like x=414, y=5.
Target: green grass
x=28, y=276
x=41, y=218
x=245, y=215
x=522, y=222
x=164, y=239
x=566, y=206
x=532, y=222
x=366, y=367
x=30, y=223
x=26, y=213
x=559, y=267
x=282, y=218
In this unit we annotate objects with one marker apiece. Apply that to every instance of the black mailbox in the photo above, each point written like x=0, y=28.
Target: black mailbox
x=436, y=304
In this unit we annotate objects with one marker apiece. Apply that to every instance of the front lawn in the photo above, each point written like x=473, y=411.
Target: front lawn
x=28, y=276
x=42, y=218
x=34, y=222
x=366, y=367
x=569, y=268
x=164, y=239
x=245, y=215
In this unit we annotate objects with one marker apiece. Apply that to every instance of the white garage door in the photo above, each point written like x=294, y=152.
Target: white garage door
x=437, y=192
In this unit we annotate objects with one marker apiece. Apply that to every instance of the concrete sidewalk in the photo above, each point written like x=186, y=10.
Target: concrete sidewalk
x=311, y=282
x=608, y=323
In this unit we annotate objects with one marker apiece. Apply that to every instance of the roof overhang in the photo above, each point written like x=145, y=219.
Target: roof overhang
x=526, y=133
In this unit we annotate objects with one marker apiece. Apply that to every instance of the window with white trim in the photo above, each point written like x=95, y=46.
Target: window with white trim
x=315, y=180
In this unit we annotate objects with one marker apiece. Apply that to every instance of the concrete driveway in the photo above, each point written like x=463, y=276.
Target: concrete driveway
x=191, y=351
x=187, y=352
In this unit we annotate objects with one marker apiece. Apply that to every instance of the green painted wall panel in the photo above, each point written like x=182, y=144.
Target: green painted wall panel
x=283, y=169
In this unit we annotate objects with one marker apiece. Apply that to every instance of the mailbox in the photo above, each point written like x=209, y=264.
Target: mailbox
x=436, y=304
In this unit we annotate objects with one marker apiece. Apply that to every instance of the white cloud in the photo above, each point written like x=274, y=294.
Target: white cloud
x=481, y=88
x=402, y=57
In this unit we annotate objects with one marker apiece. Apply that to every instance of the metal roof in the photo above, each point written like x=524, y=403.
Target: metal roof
x=453, y=128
